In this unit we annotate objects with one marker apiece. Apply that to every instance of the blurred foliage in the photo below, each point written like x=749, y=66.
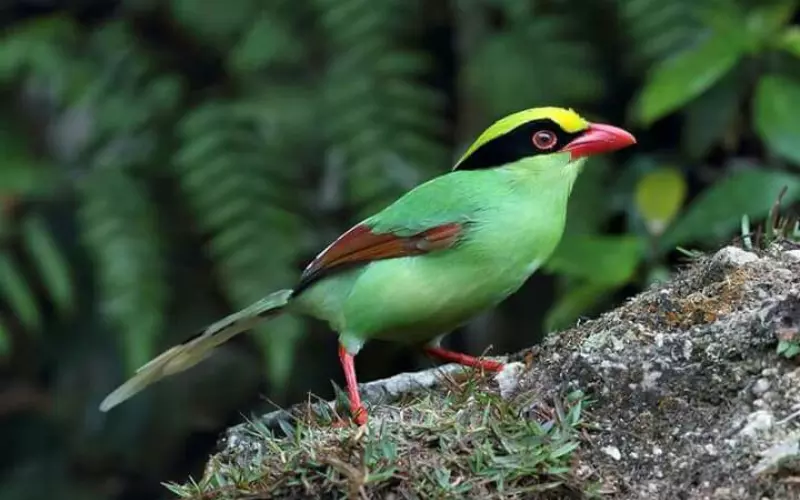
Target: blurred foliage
x=243, y=136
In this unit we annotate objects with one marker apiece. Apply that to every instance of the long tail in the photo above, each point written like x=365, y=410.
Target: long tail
x=197, y=348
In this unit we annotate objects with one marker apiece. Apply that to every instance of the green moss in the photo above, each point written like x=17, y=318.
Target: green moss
x=462, y=440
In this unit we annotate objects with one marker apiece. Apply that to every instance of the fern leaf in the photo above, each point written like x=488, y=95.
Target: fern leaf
x=382, y=121
x=235, y=182
x=655, y=30
x=16, y=291
x=531, y=59
x=50, y=263
x=275, y=40
x=120, y=231
x=37, y=49
x=215, y=22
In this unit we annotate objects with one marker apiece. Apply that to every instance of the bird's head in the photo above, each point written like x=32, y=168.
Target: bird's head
x=542, y=132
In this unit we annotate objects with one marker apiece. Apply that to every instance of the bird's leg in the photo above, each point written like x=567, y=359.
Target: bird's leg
x=357, y=410
x=464, y=359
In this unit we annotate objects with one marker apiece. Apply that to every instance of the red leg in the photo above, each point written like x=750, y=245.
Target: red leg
x=464, y=359
x=356, y=408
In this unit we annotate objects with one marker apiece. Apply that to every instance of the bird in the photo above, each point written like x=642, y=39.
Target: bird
x=447, y=250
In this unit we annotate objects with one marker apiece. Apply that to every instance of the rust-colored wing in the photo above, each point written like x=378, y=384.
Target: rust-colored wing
x=360, y=245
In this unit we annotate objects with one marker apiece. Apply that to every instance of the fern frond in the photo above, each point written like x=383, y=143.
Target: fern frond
x=39, y=49
x=532, y=59
x=239, y=191
x=216, y=23
x=49, y=266
x=123, y=105
x=119, y=229
x=16, y=291
x=654, y=30
x=23, y=177
x=382, y=120
x=50, y=263
x=277, y=41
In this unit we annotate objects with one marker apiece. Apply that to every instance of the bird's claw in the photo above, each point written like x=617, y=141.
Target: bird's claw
x=359, y=417
x=490, y=365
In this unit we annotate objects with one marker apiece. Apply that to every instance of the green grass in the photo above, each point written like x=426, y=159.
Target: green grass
x=462, y=440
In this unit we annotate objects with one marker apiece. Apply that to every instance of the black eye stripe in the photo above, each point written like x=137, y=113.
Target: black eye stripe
x=515, y=145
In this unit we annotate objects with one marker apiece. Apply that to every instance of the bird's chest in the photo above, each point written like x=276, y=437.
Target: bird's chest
x=511, y=244
x=496, y=257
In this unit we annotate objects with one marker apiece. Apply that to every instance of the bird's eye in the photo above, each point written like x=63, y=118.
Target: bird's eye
x=544, y=139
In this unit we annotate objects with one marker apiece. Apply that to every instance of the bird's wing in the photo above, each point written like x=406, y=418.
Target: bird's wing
x=362, y=244
x=432, y=217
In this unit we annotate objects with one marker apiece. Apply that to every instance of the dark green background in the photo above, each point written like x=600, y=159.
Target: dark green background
x=167, y=162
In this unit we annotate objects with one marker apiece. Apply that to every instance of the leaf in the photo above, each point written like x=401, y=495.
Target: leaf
x=718, y=210
x=19, y=177
x=688, y=74
x=120, y=230
x=788, y=349
x=789, y=41
x=383, y=120
x=710, y=116
x=574, y=302
x=20, y=173
x=565, y=69
x=564, y=449
x=601, y=259
x=214, y=22
x=16, y=291
x=655, y=30
x=37, y=46
x=765, y=20
x=51, y=264
x=234, y=194
x=659, y=196
x=269, y=40
x=776, y=120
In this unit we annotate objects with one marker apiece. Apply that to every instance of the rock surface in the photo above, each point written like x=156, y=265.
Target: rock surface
x=689, y=398
x=687, y=385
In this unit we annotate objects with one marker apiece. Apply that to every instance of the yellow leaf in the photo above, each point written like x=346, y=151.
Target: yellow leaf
x=659, y=197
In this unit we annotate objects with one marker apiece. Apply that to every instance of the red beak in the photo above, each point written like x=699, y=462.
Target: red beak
x=599, y=138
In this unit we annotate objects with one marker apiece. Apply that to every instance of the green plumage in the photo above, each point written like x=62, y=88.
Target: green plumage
x=444, y=252
x=512, y=226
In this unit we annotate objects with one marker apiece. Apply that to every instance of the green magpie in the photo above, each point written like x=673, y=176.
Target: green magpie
x=444, y=252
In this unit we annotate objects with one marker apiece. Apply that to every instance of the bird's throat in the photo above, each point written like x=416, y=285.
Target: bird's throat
x=546, y=185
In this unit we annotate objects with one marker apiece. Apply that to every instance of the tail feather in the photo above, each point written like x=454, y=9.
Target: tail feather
x=197, y=348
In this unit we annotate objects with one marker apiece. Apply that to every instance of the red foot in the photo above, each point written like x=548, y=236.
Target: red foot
x=464, y=359
x=357, y=410
x=360, y=416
